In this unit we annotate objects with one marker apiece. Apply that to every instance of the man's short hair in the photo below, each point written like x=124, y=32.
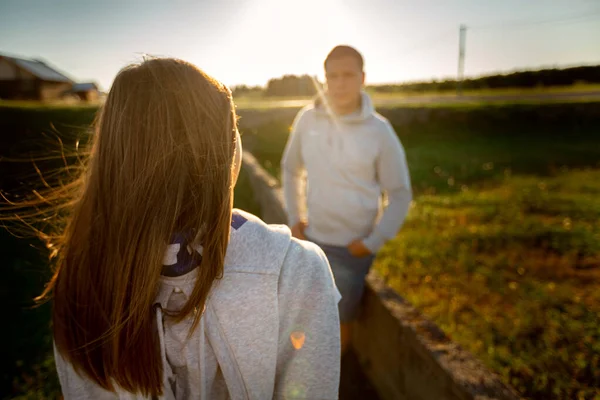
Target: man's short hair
x=345, y=51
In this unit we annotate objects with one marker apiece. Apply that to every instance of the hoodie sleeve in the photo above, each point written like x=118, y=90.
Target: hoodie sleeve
x=75, y=386
x=292, y=171
x=308, y=357
x=392, y=172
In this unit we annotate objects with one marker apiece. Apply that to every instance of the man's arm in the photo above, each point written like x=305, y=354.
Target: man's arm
x=393, y=176
x=293, y=175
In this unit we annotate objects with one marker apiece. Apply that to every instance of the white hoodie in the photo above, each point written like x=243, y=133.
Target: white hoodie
x=270, y=328
x=350, y=161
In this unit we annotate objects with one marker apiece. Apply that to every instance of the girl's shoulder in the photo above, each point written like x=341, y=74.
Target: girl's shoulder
x=264, y=248
x=254, y=246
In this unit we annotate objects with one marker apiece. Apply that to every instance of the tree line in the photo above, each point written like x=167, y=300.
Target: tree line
x=305, y=85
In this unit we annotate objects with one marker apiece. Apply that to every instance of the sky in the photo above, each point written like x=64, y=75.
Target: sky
x=252, y=41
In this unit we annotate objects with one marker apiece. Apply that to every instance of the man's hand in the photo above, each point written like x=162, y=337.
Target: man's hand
x=298, y=230
x=358, y=249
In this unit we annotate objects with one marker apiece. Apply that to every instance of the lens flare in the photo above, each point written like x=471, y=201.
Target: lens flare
x=297, y=338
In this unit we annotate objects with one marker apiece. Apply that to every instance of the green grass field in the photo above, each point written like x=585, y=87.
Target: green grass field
x=511, y=272
x=439, y=98
x=580, y=88
x=401, y=98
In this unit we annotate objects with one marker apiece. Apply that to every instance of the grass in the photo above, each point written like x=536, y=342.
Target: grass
x=440, y=98
x=449, y=159
x=577, y=88
x=266, y=103
x=26, y=369
x=446, y=162
x=512, y=273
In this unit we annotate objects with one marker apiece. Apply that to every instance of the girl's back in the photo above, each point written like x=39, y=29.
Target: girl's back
x=160, y=290
x=269, y=328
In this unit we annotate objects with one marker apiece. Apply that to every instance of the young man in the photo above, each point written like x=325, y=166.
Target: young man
x=350, y=155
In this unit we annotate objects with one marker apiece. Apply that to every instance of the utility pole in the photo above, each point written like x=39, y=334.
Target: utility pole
x=462, y=38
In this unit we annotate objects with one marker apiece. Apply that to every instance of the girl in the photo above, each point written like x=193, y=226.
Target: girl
x=161, y=290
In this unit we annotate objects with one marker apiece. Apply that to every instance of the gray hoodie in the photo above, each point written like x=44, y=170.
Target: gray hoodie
x=270, y=328
x=349, y=162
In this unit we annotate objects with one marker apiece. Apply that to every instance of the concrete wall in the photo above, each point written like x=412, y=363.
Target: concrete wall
x=266, y=191
x=405, y=356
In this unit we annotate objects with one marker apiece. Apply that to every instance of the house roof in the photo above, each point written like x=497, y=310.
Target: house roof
x=84, y=87
x=39, y=69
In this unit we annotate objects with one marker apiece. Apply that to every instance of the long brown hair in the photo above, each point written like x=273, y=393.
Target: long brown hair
x=160, y=162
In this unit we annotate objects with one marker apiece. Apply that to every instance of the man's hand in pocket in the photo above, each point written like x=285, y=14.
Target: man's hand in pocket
x=298, y=230
x=358, y=249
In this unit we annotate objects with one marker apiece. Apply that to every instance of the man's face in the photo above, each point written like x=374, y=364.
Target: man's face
x=345, y=79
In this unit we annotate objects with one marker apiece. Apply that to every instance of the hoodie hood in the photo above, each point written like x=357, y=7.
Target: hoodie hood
x=365, y=112
x=214, y=351
x=248, y=235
